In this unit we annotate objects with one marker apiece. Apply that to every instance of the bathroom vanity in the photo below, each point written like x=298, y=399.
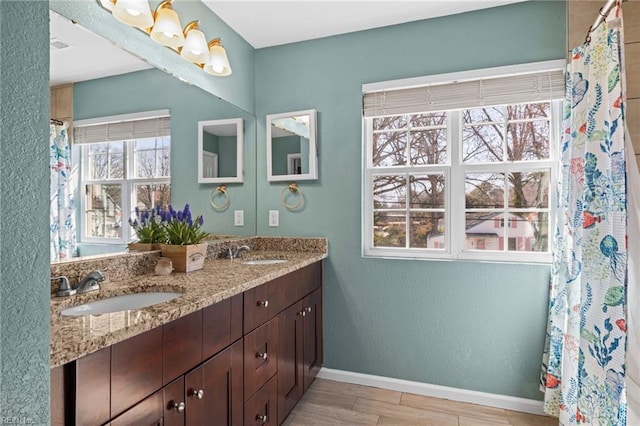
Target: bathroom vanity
x=240, y=346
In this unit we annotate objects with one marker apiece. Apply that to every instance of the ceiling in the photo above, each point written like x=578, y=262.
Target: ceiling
x=261, y=23
x=270, y=23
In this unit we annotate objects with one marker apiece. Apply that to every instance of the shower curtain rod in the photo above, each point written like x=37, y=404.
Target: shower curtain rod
x=602, y=14
x=56, y=121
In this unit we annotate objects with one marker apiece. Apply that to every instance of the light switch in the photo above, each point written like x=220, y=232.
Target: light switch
x=274, y=218
x=238, y=218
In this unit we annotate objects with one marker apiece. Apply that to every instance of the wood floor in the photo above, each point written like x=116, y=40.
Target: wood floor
x=335, y=403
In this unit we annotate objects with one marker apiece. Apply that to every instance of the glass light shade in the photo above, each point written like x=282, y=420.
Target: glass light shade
x=195, y=47
x=167, y=29
x=218, y=64
x=135, y=13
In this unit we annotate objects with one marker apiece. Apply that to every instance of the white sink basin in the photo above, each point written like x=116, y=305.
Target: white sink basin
x=264, y=261
x=120, y=303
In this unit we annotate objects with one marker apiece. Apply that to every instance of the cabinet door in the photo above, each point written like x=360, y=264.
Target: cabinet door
x=260, y=356
x=290, y=370
x=92, y=375
x=312, y=332
x=148, y=412
x=181, y=346
x=173, y=403
x=136, y=369
x=214, y=390
x=262, y=409
x=221, y=325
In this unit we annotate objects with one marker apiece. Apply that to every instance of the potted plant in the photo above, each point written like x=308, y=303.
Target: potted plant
x=149, y=229
x=183, y=239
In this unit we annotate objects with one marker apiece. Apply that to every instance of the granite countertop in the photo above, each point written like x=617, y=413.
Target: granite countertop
x=74, y=337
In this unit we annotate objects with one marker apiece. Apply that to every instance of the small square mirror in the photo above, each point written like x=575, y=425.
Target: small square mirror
x=220, y=151
x=291, y=146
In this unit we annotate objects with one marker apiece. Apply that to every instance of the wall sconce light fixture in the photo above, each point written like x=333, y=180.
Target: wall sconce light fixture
x=163, y=27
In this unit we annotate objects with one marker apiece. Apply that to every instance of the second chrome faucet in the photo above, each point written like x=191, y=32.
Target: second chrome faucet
x=85, y=285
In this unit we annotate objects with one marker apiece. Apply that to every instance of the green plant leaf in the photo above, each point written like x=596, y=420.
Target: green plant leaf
x=614, y=296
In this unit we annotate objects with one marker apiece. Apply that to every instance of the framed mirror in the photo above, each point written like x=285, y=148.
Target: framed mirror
x=291, y=146
x=220, y=151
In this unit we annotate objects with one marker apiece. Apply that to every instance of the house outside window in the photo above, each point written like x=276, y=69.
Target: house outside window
x=125, y=164
x=470, y=182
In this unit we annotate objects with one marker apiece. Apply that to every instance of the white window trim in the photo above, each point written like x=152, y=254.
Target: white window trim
x=455, y=203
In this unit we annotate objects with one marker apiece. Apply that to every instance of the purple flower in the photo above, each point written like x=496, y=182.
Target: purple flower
x=200, y=220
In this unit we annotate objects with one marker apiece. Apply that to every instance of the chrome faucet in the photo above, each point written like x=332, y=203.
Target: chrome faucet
x=87, y=284
x=230, y=253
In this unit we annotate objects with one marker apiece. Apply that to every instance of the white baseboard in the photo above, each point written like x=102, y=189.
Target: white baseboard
x=474, y=397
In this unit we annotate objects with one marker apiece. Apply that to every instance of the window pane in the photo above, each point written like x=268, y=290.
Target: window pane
x=483, y=115
x=148, y=196
x=389, y=229
x=484, y=190
x=116, y=160
x=528, y=111
x=528, y=231
x=390, y=149
x=98, y=166
x=103, y=211
x=389, y=123
x=529, y=189
x=528, y=141
x=484, y=231
x=427, y=230
x=389, y=192
x=427, y=191
x=152, y=157
x=429, y=120
x=482, y=143
x=428, y=146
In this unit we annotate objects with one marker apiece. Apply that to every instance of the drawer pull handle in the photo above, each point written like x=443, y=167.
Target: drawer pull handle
x=263, y=419
x=197, y=394
x=179, y=407
x=262, y=355
x=264, y=304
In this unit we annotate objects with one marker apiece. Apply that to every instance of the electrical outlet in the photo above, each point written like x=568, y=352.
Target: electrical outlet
x=238, y=218
x=274, y=218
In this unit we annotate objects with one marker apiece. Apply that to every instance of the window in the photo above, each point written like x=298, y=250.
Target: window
x=469, y=181
x=122, y=171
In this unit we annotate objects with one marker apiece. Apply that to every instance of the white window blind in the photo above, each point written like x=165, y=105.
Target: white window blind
x=123, y=130
x=508, y=89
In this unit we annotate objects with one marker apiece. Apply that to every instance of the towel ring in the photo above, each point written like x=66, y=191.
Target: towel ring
x=292, y=187
x=222, y=190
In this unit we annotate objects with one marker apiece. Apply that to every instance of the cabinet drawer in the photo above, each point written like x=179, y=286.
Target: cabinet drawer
x=260, y=357
x=221, y=325
x=136, y=369
x=262, y=408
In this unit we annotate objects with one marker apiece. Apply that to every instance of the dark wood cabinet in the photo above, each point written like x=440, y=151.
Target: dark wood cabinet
x=290, y=369
x=213, y=391
x=312, y=336
x=245, y=360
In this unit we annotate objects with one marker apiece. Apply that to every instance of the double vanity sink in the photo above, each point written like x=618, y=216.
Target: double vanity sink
x=128, y=305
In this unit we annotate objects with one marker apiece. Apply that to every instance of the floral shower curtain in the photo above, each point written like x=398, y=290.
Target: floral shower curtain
x=63, y=227
x=584, y=361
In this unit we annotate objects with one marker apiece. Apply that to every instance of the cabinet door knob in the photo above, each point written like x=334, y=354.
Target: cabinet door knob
x=197, y=394
x=263, y=419
x=262, y=303
x=178, y=406
x=308, y=309
x=302, y=313
x=262, y=355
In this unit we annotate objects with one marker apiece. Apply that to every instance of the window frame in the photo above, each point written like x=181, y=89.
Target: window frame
x=128, y=184
x=455, y=206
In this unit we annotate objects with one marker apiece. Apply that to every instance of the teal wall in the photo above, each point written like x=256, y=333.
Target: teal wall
x=24, y=216
x=227, y=162
x=280, y=148
x=469, y=325
x=238, y=88
x=152, y=90
x=210, y=142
